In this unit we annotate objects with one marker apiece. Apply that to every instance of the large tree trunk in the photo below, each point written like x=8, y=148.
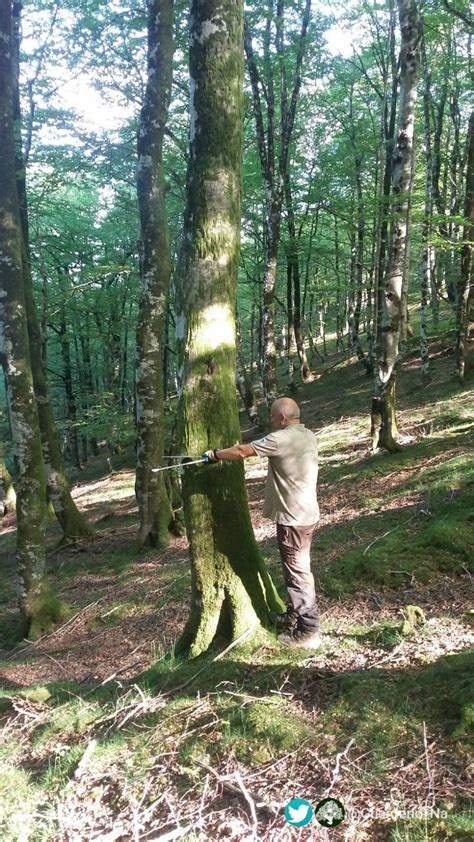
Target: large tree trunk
x=231, y=590
x=465, y=287
x=155, y=511
x=383, y=405
x=70, y=518
x=37, y=606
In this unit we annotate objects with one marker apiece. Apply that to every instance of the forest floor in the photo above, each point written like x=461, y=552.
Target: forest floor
x=107, y=736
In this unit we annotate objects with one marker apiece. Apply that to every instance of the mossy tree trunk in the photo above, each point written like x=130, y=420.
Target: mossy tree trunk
x=155, y=269
x=231, y=590
x=70, y=519
x=37, y=607
x=383, y=404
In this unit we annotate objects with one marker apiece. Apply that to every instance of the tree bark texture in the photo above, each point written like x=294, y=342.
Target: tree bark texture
x=155, y=269
x=427, y=269
x=383, y=414
x=231, y=590
x=70, y=519
x=38, y=609
x=358, y=250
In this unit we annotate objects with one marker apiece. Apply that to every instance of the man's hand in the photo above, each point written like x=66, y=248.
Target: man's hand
x=210, y=456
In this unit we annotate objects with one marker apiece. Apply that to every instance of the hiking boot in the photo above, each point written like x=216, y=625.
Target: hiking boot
x=300, y=639
x=284, y=621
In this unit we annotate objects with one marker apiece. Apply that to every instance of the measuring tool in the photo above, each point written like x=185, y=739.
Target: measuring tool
x=185, y=461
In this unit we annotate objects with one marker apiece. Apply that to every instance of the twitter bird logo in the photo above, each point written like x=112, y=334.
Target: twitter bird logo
x=298, y=812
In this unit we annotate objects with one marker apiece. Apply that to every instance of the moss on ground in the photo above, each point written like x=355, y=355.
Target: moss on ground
x=413, y=546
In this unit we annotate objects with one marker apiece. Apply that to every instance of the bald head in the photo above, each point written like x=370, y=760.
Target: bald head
x=284, y=412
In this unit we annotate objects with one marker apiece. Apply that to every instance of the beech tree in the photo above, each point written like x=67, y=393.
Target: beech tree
x=465, y=285
x=384, y=428
x=155, y=271
x=71, y=520
x=37, y=606
x=231, y=589
x=274, y=150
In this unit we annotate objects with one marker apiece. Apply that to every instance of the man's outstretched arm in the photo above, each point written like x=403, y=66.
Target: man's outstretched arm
x=237, y=451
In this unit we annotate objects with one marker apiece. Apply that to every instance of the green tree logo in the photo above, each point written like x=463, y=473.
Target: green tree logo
x=329, y=812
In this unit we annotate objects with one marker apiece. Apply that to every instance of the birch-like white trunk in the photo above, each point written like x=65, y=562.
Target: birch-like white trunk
x=384, y=430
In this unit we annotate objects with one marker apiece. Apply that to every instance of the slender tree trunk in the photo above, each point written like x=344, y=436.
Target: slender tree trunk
x=438, y=196
x=427, y=280
x=358, y=246
x=389, y=122
x=71, y=404
x=154, y=508
x=339, y=305
x=273, y=167
x=455, y=165
x=245, y=387
x=384, y=429
x=405, y=328
x=85, y=341
x=370, y=326
x=465, y=288
x=352, y=282
x=38, y=607
x=231, y=590
x=295, y=277
x=71, y=520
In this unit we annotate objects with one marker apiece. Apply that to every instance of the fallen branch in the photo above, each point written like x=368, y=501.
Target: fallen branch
x=379, y=538
x=254, y=802
x=249, y=799
x=339, y=757
x=60, y=630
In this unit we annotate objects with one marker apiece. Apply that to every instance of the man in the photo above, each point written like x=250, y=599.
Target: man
x=290, y=500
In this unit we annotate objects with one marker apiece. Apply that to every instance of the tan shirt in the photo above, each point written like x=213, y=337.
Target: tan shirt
x=290, y=494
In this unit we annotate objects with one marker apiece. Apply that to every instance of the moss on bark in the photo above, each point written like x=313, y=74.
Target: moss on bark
x=231, y=588
x=71, y=520
x=15, y=354
x=156, y=516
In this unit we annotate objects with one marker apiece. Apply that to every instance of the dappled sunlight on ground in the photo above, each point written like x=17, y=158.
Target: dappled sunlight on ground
x=126, y=610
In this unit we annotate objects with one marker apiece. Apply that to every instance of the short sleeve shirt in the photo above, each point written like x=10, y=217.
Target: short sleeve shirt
x=290, y=494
